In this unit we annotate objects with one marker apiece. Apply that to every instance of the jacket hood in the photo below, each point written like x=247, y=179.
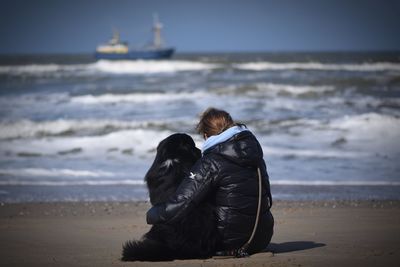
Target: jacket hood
x=242, y=148
x=224, y=136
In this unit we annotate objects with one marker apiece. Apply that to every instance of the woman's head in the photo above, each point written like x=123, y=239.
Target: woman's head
x=214, y=121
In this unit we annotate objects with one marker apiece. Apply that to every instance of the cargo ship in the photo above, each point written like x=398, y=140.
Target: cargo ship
x=117, y=50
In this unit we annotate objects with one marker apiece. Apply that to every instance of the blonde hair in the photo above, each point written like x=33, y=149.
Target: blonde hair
x=214, y=121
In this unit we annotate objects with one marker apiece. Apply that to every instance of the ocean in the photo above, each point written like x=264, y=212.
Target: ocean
x=76, y=129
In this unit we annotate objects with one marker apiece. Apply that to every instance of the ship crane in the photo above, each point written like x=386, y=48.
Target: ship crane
x=157, y=26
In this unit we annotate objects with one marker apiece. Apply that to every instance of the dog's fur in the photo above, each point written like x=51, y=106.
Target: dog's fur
x=192, y=237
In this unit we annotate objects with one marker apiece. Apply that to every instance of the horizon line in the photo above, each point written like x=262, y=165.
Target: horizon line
x=214, y=52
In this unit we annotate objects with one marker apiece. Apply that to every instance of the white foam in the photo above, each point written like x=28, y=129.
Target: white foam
x=29, y=172
x=136, y=98
x=334, y=183
x=32, y=100
x=293, y=89
x=28, y=128
x=172, y=66
x=38, y=69
x=140, y=141
x=34, y=68
x=150, y=66
x=80, y=182
x=367, y=121
x=373, y=131
x=365, y=137
x=106, y=66
x=273, y=89
x=70, y=183
x=312, y=153
x=261, y=66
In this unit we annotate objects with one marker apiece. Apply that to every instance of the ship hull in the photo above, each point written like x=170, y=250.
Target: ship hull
x=137, y=54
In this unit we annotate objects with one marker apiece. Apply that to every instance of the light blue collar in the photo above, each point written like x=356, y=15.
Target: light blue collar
x=222, y=137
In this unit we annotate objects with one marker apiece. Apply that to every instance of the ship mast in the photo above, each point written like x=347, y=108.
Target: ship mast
x=157, y=26
x=115, y=38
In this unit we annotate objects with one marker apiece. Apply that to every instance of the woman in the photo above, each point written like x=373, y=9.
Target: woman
x=227, y=176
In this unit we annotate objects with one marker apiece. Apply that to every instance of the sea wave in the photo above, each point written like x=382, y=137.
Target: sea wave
x=368, y=121
x=373, y=132
x=63, y=127
x=150, y=66
x=249, y=90
x=39, y=69
x=274, y=89
x=312, y=153
x=173, y=66
x=106, y=66
x=294, y=89
x=123, y=182
x=334, y=183
x=137, y=142
x=70, y=183
x=371, y=129
x=29, y=172
x=136, y=98
x=368, y=67
x=350, y=136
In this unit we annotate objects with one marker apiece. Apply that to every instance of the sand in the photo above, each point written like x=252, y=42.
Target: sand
x=347, y=233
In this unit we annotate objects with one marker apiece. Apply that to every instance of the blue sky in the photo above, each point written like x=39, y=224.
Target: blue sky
x=55, y=26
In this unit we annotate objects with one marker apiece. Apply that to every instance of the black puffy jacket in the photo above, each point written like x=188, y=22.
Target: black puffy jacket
x=226, y=176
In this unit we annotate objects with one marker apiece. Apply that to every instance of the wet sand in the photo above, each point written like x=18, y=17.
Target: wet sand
x=347, y=233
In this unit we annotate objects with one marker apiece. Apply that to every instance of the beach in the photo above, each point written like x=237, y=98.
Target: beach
x=307, y=233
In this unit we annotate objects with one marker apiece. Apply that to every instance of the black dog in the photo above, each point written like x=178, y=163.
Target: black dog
x=192, y=237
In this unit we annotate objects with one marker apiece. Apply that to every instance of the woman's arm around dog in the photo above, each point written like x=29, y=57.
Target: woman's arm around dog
x=192, y=190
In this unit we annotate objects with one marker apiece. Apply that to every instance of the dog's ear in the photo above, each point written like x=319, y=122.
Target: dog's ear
x=189, y=152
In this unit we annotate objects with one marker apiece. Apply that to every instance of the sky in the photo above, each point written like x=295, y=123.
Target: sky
x=78, y=26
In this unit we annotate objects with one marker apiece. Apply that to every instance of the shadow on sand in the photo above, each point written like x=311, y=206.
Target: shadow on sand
x=292, y=246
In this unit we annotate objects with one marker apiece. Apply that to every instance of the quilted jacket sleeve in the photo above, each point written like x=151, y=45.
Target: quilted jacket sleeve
x=192, y=190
